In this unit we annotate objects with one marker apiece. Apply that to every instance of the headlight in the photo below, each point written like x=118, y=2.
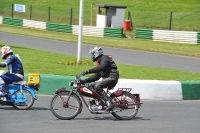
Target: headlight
x=75, y=85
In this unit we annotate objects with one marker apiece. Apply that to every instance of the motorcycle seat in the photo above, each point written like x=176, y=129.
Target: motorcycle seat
x=20, y=82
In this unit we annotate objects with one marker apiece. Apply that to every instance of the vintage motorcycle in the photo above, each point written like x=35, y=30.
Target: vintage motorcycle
x=67, y=104
x=20, y=94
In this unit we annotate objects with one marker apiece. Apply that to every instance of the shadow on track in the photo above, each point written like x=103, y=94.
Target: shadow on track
x=12, y=108
x=111, y=118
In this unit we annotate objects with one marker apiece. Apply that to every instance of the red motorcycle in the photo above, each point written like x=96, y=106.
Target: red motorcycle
x=67, y=104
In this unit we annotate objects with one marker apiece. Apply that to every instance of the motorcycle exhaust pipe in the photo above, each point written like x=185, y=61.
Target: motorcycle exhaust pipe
x=102, y=111
x=98, y=111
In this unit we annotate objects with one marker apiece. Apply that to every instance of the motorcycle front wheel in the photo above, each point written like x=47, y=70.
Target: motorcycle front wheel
x=65, y=107
x=126, y=107
x=24, y=96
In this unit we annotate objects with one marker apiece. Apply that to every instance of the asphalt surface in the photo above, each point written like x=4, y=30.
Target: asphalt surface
x=153, y=117
x=125, y=56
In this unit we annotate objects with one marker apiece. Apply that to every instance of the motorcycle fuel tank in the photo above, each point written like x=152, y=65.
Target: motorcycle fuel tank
x=86, y=92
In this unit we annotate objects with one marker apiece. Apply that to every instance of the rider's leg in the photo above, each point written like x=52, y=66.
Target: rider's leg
x=91, y=86
x=99, y=88
x=8, y=78
x=108, y=100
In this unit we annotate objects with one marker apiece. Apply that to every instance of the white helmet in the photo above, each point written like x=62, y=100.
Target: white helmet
x=5, y=50
x=96, y=52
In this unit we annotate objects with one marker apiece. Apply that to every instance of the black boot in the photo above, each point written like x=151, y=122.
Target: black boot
x=108, y=100
x=3, y=94
x=3, y=91
x=110, y=105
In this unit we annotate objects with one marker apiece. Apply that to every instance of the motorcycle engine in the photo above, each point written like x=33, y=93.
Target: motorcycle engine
x=94, y=105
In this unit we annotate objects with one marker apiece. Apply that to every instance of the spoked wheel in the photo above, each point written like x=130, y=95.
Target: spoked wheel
x=125, y=106
x=23, y=100
x=63, y=109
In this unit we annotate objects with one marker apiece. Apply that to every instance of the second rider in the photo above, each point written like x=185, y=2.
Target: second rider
x=107, y=70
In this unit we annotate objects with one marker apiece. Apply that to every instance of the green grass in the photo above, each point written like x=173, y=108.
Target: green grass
x=44, y=62
x=145, y=14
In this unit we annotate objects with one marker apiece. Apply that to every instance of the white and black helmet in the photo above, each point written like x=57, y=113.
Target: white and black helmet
x=5, y=51
x=96, y=52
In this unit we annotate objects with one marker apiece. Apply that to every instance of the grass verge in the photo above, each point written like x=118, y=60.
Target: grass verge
x=39, y=61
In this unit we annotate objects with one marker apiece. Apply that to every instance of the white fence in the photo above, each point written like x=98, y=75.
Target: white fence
x=34, y=24
x=88, y=31
x=175, y=36
x=1, y=20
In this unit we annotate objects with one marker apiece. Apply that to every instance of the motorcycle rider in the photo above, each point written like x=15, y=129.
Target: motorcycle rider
x=107, y=70
x=15, y=69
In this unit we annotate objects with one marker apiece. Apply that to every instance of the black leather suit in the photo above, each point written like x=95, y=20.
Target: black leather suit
x=107, y=70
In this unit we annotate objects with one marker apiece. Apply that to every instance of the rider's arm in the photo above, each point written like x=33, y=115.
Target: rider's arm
x=93, y=78
x=11, y=59
x=3, y=64
x=8, y=61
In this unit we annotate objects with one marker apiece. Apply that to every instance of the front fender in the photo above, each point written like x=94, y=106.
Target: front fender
x=60, y=90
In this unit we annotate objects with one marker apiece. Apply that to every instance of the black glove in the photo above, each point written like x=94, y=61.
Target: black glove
x=82, y=81
x=85, y=72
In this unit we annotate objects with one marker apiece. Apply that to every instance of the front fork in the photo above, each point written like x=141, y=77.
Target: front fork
x=65, y=102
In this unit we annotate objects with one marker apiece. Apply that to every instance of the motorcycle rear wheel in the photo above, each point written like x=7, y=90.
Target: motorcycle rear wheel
x=24, y=105
x=65, y=111
x=127, y=112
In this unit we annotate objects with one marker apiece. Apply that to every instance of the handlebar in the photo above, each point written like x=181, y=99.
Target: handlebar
x=78, y=78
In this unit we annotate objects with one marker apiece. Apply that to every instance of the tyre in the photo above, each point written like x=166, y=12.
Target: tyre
x=24, y=95
x=125, y=108
x=64, y=110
